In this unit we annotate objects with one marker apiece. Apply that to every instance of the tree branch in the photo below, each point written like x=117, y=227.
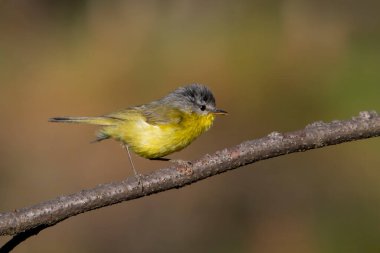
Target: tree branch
x=315, y=135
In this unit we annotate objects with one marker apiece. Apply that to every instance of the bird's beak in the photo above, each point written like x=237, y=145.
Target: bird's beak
x=219, y=111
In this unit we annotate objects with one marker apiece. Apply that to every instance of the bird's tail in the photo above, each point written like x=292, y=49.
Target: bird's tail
x=101, y=121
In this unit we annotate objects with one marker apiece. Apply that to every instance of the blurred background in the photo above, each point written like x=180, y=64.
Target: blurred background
x=273, y=65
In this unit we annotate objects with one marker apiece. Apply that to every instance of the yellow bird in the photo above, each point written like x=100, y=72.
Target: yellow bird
x=160, y=127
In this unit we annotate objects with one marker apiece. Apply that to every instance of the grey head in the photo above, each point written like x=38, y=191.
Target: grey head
x=193, y=98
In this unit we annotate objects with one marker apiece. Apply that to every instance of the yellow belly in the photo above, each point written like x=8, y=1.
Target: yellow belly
x=154, y=141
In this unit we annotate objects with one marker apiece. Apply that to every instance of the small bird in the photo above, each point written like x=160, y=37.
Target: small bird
x=160, y=127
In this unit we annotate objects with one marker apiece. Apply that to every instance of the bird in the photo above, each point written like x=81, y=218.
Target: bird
x=158, y=128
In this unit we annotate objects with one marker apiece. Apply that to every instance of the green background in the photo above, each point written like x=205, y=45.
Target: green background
x=273, y=65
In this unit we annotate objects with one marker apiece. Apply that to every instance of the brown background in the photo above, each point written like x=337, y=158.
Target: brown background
x=273, y=65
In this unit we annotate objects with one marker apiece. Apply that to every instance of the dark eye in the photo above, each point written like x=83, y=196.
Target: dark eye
x=203, y=107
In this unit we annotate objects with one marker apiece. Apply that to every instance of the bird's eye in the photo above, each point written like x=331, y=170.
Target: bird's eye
x=203, y=107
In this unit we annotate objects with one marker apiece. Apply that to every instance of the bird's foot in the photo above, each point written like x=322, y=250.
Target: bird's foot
x=180, y=162
x=184, y=167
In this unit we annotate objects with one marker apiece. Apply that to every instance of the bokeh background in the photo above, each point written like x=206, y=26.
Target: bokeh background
x=273, y=65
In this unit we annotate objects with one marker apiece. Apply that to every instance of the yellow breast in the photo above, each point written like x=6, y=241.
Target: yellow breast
x=153, y=141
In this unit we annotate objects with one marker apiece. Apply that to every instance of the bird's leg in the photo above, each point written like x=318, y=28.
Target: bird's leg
x=138, y=176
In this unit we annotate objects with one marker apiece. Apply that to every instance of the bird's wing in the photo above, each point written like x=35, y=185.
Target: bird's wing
x=162, y=115
x=153, y=114
x=126, y=114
